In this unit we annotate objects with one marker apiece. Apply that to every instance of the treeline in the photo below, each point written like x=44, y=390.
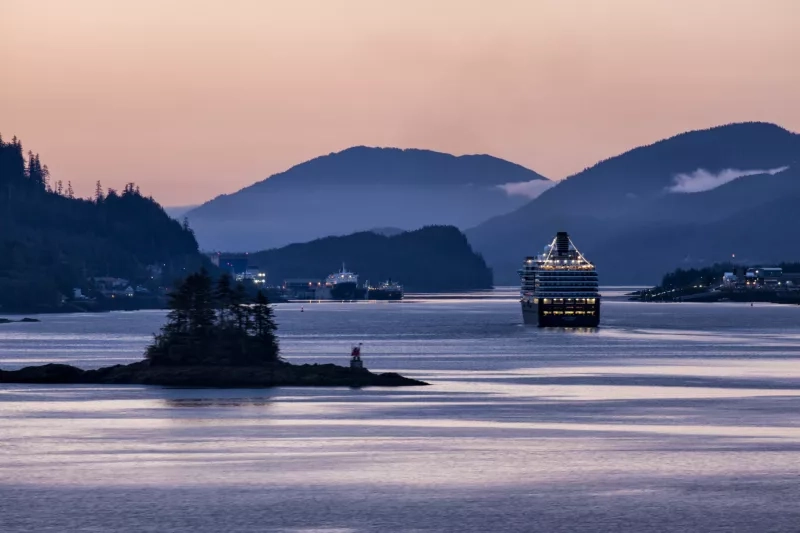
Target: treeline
x=434, y=258
x=52, y=242
x=215, y=324
x=681, y=278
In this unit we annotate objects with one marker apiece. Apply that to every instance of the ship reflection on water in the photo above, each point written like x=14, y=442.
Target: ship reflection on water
x=571, y=331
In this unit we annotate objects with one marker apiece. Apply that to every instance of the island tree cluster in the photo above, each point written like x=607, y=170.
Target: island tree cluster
x=215, y=324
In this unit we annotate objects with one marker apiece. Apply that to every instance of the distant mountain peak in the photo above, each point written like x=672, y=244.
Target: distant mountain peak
x=716, y=136
x=726, y=169
x=364, y=187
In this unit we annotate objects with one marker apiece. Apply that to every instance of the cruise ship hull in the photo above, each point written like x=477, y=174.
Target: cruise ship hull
x=560, y=316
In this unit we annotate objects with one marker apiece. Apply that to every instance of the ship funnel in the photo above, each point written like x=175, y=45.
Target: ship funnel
x=562, y=244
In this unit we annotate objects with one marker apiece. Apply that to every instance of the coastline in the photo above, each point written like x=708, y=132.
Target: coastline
x=278, y=374
x=119, y=304
x=688, y=296
x=122, y=304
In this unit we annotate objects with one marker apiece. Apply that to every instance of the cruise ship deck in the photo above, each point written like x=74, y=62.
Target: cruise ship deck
x=560, y=287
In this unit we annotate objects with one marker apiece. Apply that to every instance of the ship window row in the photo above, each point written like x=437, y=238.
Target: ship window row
x=567, y=272
x=557, y=288
x=562, y=290
x=589, y=313
x=569, y=280
x=566, y=281
x=564, y=300
x=567, y=295
x=548, y=283
x=586, y=279
x=576, y=269
x=558, y=275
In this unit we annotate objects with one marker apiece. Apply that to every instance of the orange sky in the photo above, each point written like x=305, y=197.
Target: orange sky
x=194, y=98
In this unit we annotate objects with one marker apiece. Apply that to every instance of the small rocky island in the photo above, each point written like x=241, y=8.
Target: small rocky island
x=215, y=336
x=24, y=320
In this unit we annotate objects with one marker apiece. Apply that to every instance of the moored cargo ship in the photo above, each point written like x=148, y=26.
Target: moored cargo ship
x=388, y=290
x=343, y=285
x=560, y=287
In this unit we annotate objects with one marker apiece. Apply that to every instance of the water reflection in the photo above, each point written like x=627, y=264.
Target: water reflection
x=216, y=402
x=666, y=418
x=571, y=331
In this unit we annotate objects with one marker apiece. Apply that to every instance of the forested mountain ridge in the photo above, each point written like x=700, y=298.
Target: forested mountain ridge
x=674, y=202
x=52, y=242
x=433, y=258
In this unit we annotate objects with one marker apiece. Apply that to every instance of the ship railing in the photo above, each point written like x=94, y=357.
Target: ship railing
x=570, y=283
x=543, y=290
x=566, y=295
x=567, y=279
x=566, y=275
x=575, y=284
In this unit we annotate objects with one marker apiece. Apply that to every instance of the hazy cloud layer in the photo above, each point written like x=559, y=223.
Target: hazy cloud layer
x=529, y=189
x=703, y=180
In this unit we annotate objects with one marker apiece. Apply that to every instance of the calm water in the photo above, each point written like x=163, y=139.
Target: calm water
x=671, y=417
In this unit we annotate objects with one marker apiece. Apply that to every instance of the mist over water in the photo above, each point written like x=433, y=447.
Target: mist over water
x=670, y=417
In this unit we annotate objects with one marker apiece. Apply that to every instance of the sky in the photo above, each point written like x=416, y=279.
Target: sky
x=194, y=98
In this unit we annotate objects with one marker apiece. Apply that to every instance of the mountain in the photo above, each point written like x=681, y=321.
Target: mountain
x=434, y=258
x=760, y=234
x=51, y=242
x=387, y=232
x=178, y=211
x=362, y=188
x=645, y=203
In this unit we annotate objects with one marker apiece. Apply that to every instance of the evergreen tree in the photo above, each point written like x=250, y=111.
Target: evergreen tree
x=223, y=296
x=264, y=327
x=180, y=303
x=98, y=193
x=201, y=312
x=31, y=169
x=238, y=309
x=34, y=171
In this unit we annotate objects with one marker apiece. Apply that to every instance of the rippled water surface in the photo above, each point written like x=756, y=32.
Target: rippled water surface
x=670, y=417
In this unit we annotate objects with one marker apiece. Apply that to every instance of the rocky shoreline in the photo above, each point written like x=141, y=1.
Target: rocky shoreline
x=279, y=374
x=24, y=320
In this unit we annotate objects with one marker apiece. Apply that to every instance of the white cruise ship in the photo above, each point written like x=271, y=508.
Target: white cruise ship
x=559, y=287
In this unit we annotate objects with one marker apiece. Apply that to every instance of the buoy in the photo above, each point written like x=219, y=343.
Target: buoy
x=355, y=358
